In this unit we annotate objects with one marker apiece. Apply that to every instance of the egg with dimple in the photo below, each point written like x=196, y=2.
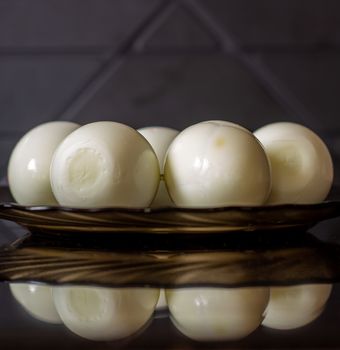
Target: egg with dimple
x=213, y=164
x=37, y=300
x=160, y=139
x=97, y=313
x=29, y=164
x=105, y=164
x=302, y=167
x=295, y=306
x=216, y=314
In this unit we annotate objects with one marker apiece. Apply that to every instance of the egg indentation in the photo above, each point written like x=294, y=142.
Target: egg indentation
x=85, y=168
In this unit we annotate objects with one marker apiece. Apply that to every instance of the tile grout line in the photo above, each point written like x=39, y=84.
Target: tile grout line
x=268, y=81
x=139, y=44
x=112, y=65
x=35, y=51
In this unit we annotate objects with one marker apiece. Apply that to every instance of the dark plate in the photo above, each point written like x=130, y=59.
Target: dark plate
x=168, y=220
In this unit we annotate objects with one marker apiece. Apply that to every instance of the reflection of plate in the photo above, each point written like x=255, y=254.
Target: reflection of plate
x=174, y=220
x=271, y=260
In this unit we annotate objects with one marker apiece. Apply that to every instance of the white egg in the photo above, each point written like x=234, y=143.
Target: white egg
x=295, y=306
x=215, y=314
x=37, y=300
x=160, y=139
x=105, y=164
x=213, y=164
x=29, y=164
x=302, y=168
x=105, y=313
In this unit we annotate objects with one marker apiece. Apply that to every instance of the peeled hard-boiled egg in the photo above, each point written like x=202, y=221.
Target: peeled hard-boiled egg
x=29, y=164
x=160, y=139
x=105, y=313
x=214, y=164
x=302, y=168
x=105, y=164
x=215, y=314
x=295, y=306
x=37, y=300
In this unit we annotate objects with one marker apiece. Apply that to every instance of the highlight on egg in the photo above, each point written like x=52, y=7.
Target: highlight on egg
x=302, y=167
x=214, y=164
x=160, y=139
x=29, y=163
x=295, y=306
x=37, y=300
x=104, y=314
x=105, y=164
x=216, y=314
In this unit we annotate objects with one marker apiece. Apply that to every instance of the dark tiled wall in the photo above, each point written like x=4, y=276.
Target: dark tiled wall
x=173, y=63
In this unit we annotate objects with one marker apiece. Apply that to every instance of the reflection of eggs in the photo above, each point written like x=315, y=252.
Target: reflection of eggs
x=37, y=300
x=209, y=314
x=105, y=164
x=161, y=304
x=29, y=164
x=302, y=168
x=105, y=313
x=160, y=139
x=217, y=164
x=295, y=306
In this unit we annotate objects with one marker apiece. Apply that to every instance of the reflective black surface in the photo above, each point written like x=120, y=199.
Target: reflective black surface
x=232, y=260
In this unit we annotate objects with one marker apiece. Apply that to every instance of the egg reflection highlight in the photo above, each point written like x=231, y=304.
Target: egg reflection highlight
x=37, y=300
x=97, y=313
x=161, y=304
x=295, y=306
x=216, y=314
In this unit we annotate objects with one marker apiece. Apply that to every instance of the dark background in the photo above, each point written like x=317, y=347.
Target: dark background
x=169, y=63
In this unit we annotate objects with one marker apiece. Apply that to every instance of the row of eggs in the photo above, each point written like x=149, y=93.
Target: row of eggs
x=209, y=164
x=203, y=314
